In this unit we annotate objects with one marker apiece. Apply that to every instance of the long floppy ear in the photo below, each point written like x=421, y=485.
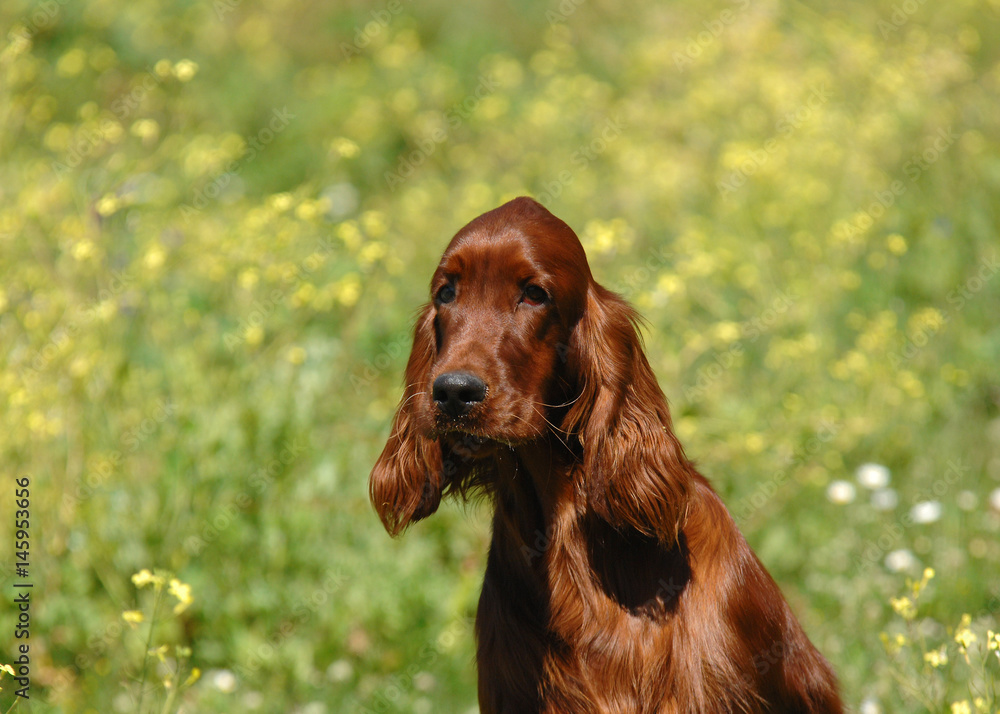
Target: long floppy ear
x=636, y=474
x=407, y=480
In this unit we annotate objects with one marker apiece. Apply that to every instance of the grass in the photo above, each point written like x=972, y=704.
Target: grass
x=217, y=220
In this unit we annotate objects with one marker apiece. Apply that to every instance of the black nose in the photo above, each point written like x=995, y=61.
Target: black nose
x=455, y=393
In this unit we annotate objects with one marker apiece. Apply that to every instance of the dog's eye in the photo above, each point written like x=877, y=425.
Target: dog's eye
x=446, y=294
x=534, y=295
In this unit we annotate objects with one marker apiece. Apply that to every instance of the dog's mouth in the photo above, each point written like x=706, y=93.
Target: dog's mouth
x=469, y=433
x=469, y=445
x=469, y=436
x=458, y=435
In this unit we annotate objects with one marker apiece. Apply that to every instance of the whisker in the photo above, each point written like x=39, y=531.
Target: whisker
x=555, y=429
x=559, y=406
x=546, y=420
x=404, y=403
x=412, y=396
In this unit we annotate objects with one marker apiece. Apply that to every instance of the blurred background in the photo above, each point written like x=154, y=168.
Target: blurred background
x=218, y=218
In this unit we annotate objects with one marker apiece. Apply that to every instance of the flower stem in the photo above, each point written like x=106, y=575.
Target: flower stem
x=149, y=644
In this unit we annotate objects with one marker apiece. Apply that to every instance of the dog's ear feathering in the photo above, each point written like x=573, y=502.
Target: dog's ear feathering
x=407, y=481
x=636, y=471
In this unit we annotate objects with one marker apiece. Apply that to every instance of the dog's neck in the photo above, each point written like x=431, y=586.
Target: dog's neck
x=540, y=472
x=536, y=498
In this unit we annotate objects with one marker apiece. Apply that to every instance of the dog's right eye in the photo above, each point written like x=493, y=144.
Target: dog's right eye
x=446, y=294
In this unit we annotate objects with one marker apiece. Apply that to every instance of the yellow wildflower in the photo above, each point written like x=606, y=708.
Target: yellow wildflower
x=344, y=147
x=254, y=335
x=904, y=606
x=192, y=678
x=372, y=252
x=896, y=243
x=754, y=443
x=374, y=223
x=965, y=636
x=307, y=210
x=108, y=204
x=936, y=658
x=727, y=331
x=919, y=585
x=993, y=642
x=893, y=644
x=8, y=669
x=144, y=578
x=72, y=63
x=961, y=707
x=83, y=249
x=181, y=591
x=133, y=617
x=350, y=234
x=248, y=278
x=154, y=257
x=185, y=70
x=348, y=289
x=281, y=202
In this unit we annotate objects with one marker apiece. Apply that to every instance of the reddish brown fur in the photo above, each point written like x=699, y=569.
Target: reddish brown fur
x=616, y=579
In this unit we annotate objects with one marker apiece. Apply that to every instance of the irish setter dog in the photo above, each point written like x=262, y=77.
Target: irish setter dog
x=616, y=579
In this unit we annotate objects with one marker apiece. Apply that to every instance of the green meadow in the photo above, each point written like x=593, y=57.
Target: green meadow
x=218, y=219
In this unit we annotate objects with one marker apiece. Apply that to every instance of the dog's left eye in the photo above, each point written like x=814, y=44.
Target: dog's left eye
x=446, y=294
x=534, y=295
